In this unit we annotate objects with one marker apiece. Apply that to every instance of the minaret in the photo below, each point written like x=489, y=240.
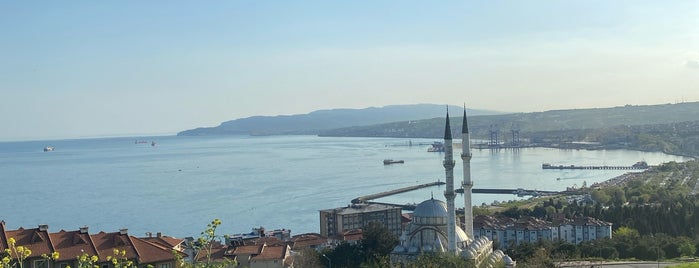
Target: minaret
x=467, y=184
x=449, y=192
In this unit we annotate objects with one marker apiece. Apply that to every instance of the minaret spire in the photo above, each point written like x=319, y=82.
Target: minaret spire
x=449, y=192
x=464, y=126
x=447, y=127
x=467, y=184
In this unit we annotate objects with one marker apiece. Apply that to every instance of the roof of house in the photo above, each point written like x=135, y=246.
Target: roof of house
x=217, y=252
x=166, y=241
x=307, y=240
x=353, y=235
x=36, y=239
x=106, y=243
x=72, y=244
x=251, y=250
x=151, y=252
x=272, y=253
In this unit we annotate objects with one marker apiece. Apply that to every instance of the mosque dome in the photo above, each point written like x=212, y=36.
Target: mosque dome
x=430, y=212
x=469, y=253
x=507, y=260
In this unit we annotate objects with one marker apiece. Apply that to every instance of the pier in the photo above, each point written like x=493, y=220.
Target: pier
x=365, y=198
x=638, y=166
x=518, y=192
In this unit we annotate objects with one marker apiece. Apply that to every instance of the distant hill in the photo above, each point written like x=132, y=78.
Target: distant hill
x=556, y=120
x=315, y=122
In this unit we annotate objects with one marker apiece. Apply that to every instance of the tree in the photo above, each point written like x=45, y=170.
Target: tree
x=346, y=255
x=205, y=243
x=539, y=259
x=310, y=258
x=377, y=241
x=440, y=261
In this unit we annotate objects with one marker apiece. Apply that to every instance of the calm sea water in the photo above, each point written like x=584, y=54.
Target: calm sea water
x=179, y=185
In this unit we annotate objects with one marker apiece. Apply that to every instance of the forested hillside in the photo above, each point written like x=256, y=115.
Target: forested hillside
x=670, y=128
x=314, y=122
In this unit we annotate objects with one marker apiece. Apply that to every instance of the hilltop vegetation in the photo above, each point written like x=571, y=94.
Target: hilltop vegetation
x=314, y=122
x=670, y=128
x=653, y=214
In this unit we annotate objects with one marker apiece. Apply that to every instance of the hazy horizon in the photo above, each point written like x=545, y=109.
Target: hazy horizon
x=93, y=69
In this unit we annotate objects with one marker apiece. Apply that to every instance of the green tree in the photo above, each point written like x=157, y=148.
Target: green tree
x=539, y=259
x=377, y=241
x=310, y=258
x=442, y=260
x=346, y=255
x=205, y=243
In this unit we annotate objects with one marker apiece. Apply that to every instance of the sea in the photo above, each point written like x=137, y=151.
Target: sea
x=179, y=184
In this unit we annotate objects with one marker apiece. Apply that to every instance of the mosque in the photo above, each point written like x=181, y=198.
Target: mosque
x=434, y=228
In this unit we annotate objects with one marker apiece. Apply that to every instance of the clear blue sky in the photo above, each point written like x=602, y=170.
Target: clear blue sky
x=90, y=68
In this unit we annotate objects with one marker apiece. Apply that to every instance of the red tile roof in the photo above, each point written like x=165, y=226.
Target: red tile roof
x=106, y=243
x=151, y=252
x=36, y=240
x=72, y=244
x=251, y=250
x=353, y=235
x=166, y=241
x=308, y=240
x=272, y=253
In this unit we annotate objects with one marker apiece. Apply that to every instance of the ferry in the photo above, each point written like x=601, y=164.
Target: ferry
x=48, y=149
x=437, y=146
x=391, y=161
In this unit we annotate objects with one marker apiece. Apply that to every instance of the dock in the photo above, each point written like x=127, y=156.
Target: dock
x=365, y=198
x=638, y=166
x=518, y=191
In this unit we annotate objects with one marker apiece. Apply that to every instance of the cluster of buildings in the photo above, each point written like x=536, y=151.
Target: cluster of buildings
x=506, y=231
x=432, y=228
x=154, y=250
x=259, y=249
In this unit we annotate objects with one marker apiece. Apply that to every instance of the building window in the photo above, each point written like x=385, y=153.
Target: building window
x=64, y=265
x=164, y=265
x=41, y=264
x=105, y=265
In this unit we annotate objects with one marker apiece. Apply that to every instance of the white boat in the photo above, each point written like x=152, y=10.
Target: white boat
x=48, y=149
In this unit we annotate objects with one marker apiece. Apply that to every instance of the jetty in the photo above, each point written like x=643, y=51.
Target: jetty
x=365, y=198
x=638, y=166
x=518, y=192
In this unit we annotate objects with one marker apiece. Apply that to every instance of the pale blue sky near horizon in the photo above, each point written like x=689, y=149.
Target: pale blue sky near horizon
x=72, y=69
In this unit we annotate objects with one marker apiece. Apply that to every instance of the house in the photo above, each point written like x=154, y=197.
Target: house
x=264, y=256
x=72, y=244
x=507, y=231
x=313, y=241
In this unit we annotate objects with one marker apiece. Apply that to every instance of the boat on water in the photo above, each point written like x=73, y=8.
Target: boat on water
x=48, y=149
x=391, y=161
x=437, y=146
